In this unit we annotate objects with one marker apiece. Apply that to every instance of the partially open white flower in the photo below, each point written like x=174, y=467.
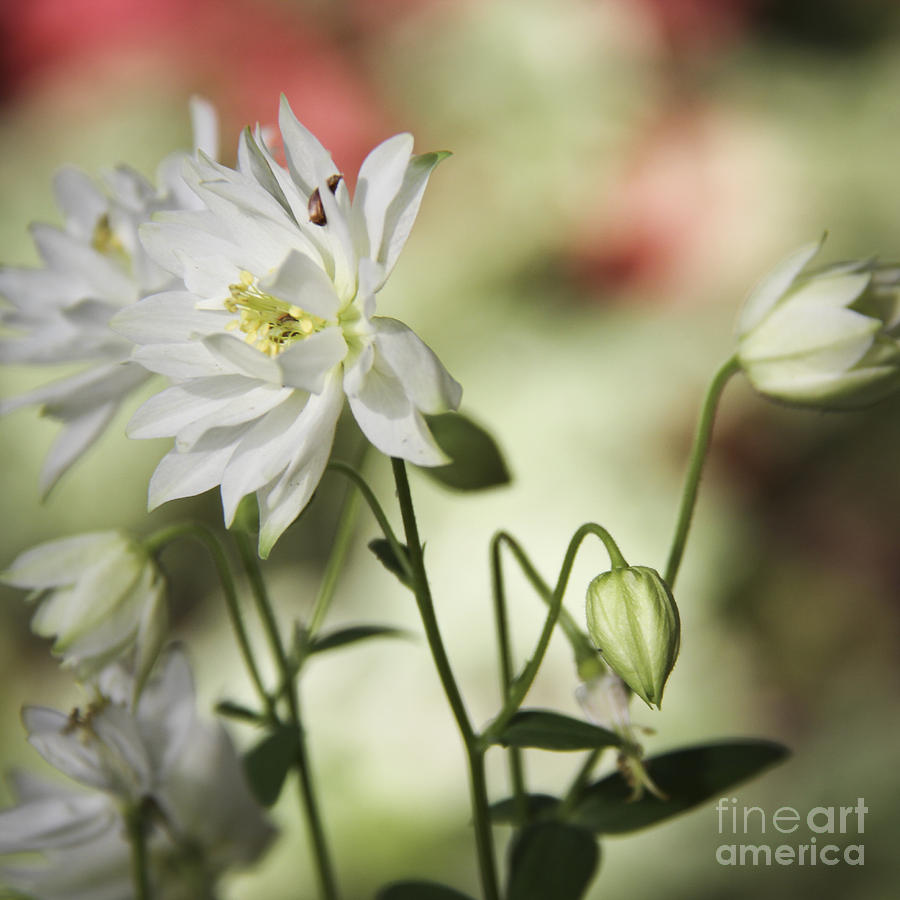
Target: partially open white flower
x=277, y=325
x=92, y=267
x=827, y=338
x=201, y=818
x=100, y=595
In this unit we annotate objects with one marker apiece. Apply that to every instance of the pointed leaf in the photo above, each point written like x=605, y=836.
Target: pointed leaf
x=233, y=710
x=548, y=730
x=268, y=763
x=352, y=634
x=381, y=547
x=477, y=460
x=537, y=806
x=687, y=777
x=552, y=859
x=419, y=890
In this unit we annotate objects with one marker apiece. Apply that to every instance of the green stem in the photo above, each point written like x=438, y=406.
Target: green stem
x=207, y=537
x=308, y=799
x=484, y=840
x=695, y=467
x=522, y=684
x=339, y=550
x=368, y=495
x=579, y=641
x=136, y=828
x=504, y=655
x=580, y=782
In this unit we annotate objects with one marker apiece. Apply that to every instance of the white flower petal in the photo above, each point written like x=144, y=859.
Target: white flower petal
x=77, y=435
x=58, y=562
x=307, y=362
x=266, y=450
x=309, y=162
x=205, y=126
x=242, y=358
x=425, y=380
x=179, y=361
x=64, y=252
x=770, y=290
x=188, y=474
x=82, y=203
x=390, y=420
x=402, y=212
x=55, y=822
x=170, y=317
x=380, y=178
x=282, y=501
x=165, y=414
x=301, y=282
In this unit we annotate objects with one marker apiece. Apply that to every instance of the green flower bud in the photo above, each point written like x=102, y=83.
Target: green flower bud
x=826, y=339
x=633, y=619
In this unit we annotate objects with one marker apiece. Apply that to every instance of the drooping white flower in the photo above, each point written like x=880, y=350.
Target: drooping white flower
x=91, y=268
x=827, y=338
x=277, y=325
x=101, y=595
x=200, y=816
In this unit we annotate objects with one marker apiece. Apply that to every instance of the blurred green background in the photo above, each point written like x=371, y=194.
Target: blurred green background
x=622, y=173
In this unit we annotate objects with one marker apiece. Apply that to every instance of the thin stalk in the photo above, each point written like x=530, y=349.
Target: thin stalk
x=579, y=641
x=135, y=826
x=484, y=840
x=308, y=800
x=695, y=466
x=368, y=495
x=522, y=684
x=207, y=537
x=504, y=656
x=580, y=782
x=338, y=556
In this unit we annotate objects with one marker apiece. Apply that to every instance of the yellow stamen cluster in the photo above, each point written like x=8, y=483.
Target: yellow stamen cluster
x=269, y=324
x=104, y=240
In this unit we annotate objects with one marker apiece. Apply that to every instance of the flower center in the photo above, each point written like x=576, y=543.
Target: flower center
x=269, y=324
x=104, y=240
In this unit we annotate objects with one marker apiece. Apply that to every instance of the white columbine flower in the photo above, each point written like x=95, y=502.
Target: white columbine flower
x=827, y=338
x=100, y=595
x=185, y=775
x=277, y=325
x=92, y=267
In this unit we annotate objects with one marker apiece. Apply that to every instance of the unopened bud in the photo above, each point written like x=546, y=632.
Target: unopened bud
x=633, y=620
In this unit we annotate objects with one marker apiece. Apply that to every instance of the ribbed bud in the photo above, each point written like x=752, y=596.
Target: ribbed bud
x=633, y=620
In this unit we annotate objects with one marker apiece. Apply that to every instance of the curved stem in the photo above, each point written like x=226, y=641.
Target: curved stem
x=695, y=466
x=579, y=641
x=523, y=683
x=308, y=800
x=207, y=537
x=474, y=750
x=504, y=655
x=339, y=550
x=368, y=494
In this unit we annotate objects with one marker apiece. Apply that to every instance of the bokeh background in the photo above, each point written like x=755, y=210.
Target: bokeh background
x=623, y=171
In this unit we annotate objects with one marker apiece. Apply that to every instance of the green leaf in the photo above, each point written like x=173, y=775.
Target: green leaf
x=548, y=730
x=419, y=890
x=537, y=806
x=268, y=763
x=552, y=860
x=381, y=547
x=687, y=777
x=237, y=711
x=352, y=634
x=477, y=460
